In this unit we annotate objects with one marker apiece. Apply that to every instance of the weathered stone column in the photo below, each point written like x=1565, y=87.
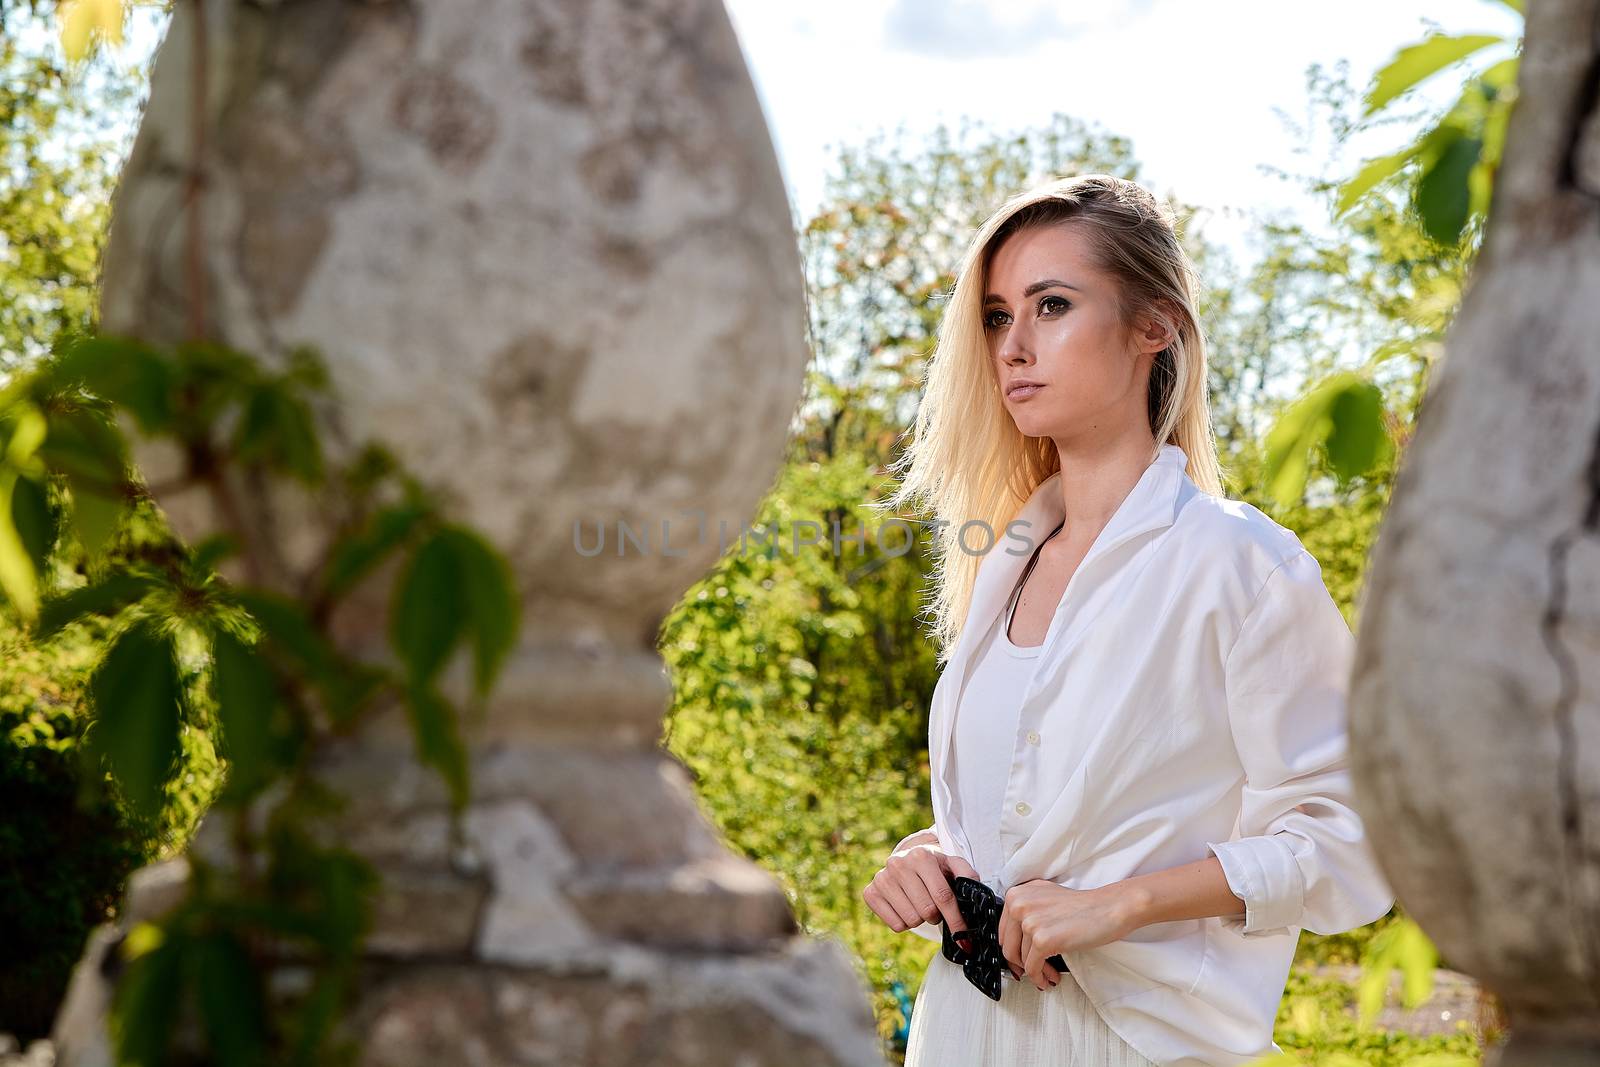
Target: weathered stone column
x=1475, y=707
x=545, y=249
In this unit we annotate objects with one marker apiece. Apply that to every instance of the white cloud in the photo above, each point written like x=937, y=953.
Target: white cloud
x=964, y=29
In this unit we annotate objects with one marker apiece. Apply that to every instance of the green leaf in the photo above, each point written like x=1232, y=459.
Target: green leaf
x=106, y=597
x=1357, y=438
x=135, y=690
x=1401, y=944
x=285, y=623
x=213, y=550
x=346, y=884
x=493, y=605
x=1371, y=174
x=433, y=725
x=277, y=429
x=123, y=370
x=34, y=519
x=1444, y=196
x=84, y=447
x=1415, y=63
x=316, y=1014
x=246, y=692
x=430, y=609
x=232, y=1001
x=145, y=1005
x=18, y=576
x=355, y=556
x=1344, y=412
x=346, y=685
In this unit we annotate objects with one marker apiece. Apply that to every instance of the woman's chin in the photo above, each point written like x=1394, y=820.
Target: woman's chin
x=1030, y=424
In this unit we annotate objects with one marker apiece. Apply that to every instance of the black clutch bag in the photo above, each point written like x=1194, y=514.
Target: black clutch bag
x=980, y=907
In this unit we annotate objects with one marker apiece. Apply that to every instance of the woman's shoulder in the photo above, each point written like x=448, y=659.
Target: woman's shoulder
x=1234, y=537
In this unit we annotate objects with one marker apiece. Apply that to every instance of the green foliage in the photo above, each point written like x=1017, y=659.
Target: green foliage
x=1318, y=1026
x=69, y=839
x=249, y=666
x=62, y=135
x=1455, y=159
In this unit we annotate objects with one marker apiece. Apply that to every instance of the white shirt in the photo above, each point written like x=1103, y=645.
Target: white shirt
x=987, y=741
x=1189, y=695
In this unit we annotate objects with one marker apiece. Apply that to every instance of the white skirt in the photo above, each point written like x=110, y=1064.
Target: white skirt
x=955, y=1025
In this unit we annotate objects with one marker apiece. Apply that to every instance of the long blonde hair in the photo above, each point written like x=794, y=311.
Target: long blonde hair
x=967, y=459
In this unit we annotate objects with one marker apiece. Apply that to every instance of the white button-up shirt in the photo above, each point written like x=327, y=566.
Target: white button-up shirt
x=1190, y=699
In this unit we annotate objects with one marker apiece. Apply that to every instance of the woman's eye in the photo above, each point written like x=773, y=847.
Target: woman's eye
x=1043, y=304
x=990, y=322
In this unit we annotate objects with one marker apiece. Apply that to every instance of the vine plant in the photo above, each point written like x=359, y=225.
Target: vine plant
x=275, y=690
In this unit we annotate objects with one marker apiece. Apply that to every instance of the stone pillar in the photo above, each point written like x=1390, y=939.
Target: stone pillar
x=545, y=250
x=1475, y=706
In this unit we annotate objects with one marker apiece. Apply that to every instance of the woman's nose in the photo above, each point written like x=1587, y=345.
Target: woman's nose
x=1013, y=351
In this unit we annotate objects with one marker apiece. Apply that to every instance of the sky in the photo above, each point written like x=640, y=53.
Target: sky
x=1208, y=91
x=1202, y=88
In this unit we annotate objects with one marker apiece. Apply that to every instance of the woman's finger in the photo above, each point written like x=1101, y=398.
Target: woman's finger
x=910, y=877
x=959, y=865
x=937, y=886
x=896, y=898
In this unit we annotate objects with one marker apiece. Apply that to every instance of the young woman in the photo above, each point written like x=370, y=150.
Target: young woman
x=1138, y=738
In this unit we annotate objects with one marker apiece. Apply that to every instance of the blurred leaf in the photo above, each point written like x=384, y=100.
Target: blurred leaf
x=429, y=613
x=278, y=431
x=1401, y=945
x=34, y=519
x=246, y=692
x=88, y=450
x=316, y=1015
x=347, y=685
x=146, y=1004
x=1344, y=412
x=433, y=724
x=491, y=599
x=1371, y=174
x=232, y=1004
x=1444, y=198
x=286, y=625
x=1357, y=439
x=126, y=371
x=106, y=597
x=84, y=20
x=135, y=690
x=18, y=576
x=1416, y=63
x=213, y=550
x=356, y=555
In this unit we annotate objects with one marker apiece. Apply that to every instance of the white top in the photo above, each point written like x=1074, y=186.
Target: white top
x=990, y=740
x=1190, y=697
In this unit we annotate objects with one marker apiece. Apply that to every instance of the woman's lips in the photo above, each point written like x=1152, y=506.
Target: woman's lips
x=1022, y=392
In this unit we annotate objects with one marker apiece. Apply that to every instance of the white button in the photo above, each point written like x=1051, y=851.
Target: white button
x=1022, y=808
x=1033, y=737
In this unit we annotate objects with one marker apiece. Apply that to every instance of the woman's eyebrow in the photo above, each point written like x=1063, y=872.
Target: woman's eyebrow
x=1038, y=286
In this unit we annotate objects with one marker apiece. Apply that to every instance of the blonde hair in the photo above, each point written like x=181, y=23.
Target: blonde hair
x=967, y=460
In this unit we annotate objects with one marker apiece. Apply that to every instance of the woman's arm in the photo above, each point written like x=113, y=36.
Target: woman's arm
x=1302, y=858
x=1195, y=890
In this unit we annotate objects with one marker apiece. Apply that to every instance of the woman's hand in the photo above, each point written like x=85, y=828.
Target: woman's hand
x=1041, y=918
x=913, y=887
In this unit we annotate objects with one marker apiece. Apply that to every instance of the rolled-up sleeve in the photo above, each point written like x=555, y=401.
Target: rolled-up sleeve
x=1301, y=857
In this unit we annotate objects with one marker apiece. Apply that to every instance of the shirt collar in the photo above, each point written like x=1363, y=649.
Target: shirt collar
x=1151, y=504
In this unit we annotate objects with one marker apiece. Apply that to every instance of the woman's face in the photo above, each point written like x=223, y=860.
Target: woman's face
x=1050, y=318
